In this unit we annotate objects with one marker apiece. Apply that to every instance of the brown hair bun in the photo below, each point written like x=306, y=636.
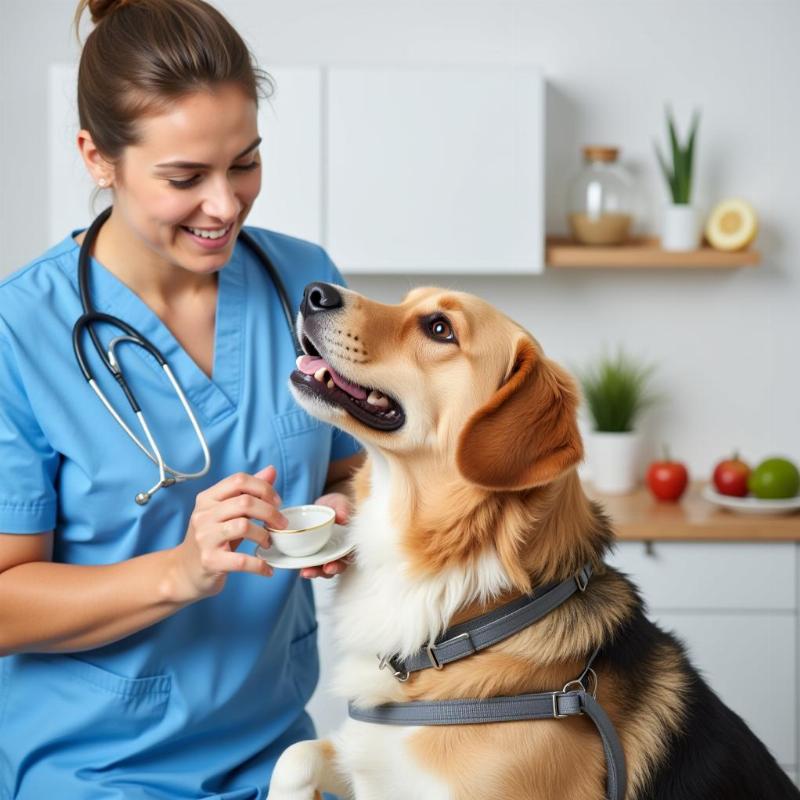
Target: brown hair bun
x=98, y=9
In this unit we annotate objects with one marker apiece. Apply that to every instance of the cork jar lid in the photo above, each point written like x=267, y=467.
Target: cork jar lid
x=597, y=153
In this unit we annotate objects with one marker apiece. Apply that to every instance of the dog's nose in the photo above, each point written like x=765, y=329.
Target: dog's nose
x=319, y=296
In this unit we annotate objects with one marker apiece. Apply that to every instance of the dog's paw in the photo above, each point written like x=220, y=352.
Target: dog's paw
x=294, y=775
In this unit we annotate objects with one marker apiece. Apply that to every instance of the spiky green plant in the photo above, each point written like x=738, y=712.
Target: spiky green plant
x=616, y=391
x=679, y=177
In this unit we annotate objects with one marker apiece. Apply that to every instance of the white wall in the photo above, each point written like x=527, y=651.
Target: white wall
x=725, y=342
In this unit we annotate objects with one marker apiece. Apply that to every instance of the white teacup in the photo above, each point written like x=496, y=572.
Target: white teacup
x=308, y=531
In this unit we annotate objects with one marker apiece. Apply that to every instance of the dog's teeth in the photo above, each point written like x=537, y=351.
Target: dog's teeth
x=330, y=384
x=377, y=399
x=320, y=374
x=391, y=413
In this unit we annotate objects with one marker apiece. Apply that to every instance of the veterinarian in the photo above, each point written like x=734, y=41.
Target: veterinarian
x=145, y=652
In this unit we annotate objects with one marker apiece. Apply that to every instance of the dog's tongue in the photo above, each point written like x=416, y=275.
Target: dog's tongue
x=311, y=364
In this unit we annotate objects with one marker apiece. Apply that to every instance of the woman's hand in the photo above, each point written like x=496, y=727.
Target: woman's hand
x=219, y=523
x=340, y=503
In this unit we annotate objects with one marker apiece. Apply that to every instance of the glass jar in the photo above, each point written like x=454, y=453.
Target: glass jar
x=601, y=199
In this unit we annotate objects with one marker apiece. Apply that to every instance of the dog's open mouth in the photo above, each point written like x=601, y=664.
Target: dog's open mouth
x=369, y=406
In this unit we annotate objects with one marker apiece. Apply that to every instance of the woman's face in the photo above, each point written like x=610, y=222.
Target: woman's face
x=187, y=187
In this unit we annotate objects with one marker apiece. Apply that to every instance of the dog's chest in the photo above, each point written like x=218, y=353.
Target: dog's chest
x=382, y=608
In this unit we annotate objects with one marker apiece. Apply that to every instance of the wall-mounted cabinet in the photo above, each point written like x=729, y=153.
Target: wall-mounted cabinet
x=408, y=169
x=435, y=170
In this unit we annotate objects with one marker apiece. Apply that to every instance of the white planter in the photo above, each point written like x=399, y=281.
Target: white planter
x=613, y=461
x=681, y=229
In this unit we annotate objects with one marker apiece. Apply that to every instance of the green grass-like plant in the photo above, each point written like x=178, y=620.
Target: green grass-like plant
x=679, y=176
x=616, y=391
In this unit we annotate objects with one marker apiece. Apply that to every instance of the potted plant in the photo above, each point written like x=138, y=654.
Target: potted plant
x=681, y=230
x=615, y=391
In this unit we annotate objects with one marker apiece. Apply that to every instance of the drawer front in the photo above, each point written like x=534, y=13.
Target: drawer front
x=711, y=575
x=749, y=660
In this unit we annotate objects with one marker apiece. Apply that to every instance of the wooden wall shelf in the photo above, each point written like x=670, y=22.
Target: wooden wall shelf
x=563, y=253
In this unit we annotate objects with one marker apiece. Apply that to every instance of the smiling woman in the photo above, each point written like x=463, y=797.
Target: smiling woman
x=107, y=657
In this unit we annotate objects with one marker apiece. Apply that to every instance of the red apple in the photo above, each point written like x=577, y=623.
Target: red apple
x=730, y=476
x=667, y=479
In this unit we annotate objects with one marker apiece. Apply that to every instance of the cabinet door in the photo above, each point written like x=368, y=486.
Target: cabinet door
x=711, y=575
x=435, y=170
x=749, y=660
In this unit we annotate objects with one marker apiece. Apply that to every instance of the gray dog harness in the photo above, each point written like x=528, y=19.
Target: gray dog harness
x=576, y=698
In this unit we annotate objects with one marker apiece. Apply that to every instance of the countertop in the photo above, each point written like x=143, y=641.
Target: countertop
x=639, y=516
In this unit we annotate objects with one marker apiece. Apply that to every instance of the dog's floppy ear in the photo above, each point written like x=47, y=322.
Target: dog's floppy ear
x=527, y=434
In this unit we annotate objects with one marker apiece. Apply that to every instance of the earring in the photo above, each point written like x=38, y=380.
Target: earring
x=102, y=183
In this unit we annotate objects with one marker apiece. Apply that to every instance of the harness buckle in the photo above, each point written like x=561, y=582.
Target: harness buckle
x=387, y=662
x=563, y=693
x=435, y=663
x=554, y=696
x=581, y=688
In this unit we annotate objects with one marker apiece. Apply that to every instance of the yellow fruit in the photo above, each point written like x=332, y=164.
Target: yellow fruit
x=732, y=225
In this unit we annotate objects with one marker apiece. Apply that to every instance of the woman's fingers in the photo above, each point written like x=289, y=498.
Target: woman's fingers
x=226, y=561
x=339, y=502
x=258, y=485
x=234, y=530
x=329, y=570
x=245, y=505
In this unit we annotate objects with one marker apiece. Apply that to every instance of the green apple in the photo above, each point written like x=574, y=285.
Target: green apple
x=774, y=479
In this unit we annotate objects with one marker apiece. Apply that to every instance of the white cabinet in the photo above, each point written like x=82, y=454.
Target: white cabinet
x=735, y=607
x=408, y=169
x=435, y=170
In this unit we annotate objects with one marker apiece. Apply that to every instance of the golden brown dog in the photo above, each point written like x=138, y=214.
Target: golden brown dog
x=469, y=499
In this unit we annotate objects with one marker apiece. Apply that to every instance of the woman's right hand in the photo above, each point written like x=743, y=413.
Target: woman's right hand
x=219, y=523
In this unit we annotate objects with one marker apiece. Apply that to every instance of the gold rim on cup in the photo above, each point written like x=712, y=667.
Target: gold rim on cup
x=305, y=530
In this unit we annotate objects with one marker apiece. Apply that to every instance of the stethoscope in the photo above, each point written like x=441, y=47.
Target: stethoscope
x=167, y=476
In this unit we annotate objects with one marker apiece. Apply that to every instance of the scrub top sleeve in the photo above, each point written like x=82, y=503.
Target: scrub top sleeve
x=342, y=444
x=28, y=464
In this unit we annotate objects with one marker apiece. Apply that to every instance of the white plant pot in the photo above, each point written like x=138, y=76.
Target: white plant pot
x=681, y=229
x=613, y=461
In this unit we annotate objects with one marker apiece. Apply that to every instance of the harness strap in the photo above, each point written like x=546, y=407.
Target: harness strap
x=481, y=632
x=542, y=705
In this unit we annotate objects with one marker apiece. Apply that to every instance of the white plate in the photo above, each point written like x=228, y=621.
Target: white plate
x=337, y=547
x=751, y=505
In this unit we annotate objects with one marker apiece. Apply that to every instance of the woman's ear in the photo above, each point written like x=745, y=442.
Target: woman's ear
x=527, y=434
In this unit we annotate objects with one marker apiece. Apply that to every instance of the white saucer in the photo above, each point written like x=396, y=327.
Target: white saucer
x=337, y=547
x=751, y=505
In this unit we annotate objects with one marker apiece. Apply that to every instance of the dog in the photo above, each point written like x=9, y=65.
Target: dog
x=469, y=499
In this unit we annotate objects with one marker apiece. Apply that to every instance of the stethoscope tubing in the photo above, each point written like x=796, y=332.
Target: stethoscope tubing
x=167, y=475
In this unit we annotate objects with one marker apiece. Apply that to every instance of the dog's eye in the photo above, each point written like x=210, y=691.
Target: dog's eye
x=438, y=327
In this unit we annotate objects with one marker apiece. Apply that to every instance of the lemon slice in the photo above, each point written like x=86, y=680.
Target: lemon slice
x=732, y=225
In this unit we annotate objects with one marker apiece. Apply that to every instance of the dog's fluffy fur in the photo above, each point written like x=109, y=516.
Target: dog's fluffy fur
x=471, y=503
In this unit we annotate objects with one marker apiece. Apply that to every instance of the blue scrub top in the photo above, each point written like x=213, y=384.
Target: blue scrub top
x=202, y=703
